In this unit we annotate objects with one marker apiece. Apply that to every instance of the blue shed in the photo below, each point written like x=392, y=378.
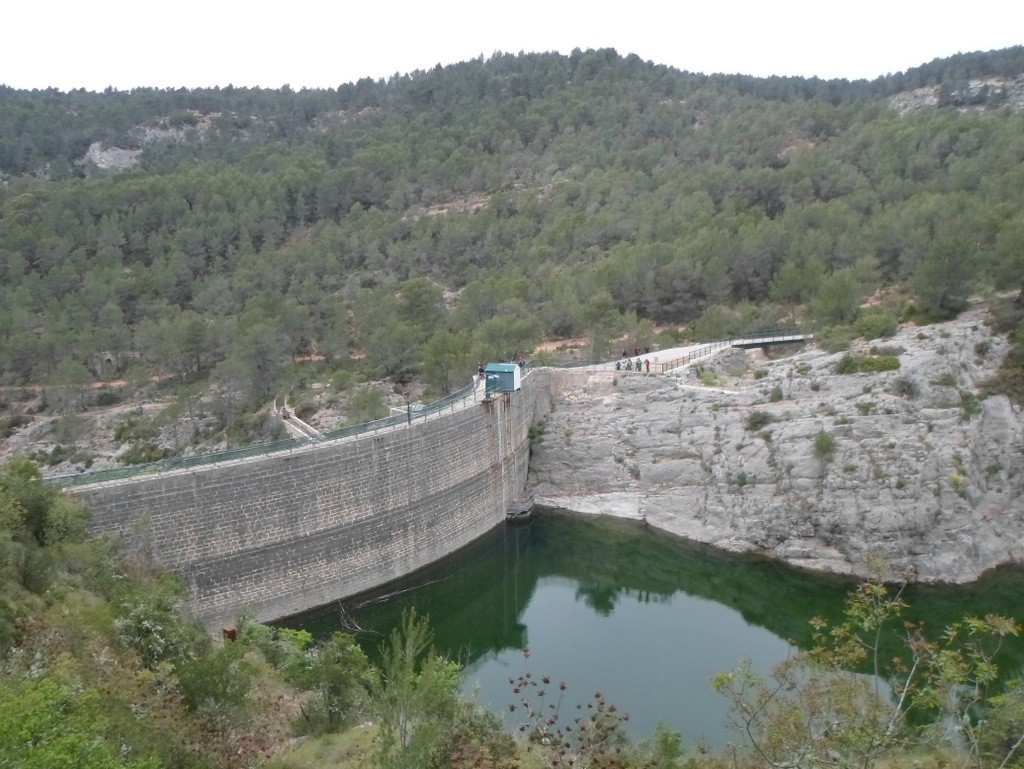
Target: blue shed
x=503, y=377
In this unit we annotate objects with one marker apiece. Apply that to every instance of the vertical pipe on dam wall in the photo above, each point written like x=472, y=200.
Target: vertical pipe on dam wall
x=281, y=533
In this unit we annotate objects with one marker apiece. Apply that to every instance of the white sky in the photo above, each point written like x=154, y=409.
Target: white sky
x=312, y=43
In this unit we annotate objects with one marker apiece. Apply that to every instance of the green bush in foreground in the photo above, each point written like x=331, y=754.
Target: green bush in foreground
x=818, y=709
x=55, y=721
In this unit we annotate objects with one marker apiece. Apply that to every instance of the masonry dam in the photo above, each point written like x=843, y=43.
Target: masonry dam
x=283, y=532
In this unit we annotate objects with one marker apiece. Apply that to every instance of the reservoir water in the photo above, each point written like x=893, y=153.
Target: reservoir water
x=643, y=617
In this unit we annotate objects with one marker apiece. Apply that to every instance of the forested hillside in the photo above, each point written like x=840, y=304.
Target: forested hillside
x=404, y=230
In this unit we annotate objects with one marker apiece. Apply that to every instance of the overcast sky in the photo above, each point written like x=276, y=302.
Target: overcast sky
x=307, y=43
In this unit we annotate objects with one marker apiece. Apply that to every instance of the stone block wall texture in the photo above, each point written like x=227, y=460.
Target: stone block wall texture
x=278, y=534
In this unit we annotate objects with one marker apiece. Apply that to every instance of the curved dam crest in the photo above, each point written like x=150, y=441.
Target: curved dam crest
x=277, y=534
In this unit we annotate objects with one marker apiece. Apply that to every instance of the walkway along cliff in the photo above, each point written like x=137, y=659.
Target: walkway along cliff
x=280, y=533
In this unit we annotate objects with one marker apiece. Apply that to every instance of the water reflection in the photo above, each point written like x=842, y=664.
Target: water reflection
x=604, y=604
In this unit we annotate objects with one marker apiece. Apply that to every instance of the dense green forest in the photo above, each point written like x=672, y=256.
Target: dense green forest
x=405, y=229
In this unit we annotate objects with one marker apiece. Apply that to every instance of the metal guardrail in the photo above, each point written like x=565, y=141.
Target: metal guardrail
x=774, y=336
x=413, y=413
x=781, y=337
x=701, y=352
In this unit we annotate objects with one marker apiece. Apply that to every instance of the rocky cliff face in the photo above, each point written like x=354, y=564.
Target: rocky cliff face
x=791, y=459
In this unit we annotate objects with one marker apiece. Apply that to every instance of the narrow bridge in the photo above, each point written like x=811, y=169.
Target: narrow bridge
x=696, y=352
x=770, y=339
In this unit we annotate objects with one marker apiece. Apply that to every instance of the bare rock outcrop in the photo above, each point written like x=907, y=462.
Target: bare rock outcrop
x=791, y=459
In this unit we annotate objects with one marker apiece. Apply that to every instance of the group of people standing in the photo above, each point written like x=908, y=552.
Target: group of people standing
x=638, y=365
x=630, y=364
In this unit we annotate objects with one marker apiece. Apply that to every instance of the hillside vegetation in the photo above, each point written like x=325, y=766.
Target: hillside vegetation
x=211, y=249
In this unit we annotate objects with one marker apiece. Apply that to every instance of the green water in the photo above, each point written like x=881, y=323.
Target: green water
x=643, y=617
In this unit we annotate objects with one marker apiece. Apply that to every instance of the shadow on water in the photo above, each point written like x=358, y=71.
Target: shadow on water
x=616, y=582
x=476, y=596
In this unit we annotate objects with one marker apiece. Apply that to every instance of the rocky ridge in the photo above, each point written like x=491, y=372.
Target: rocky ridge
x=991, y=93
x=914, y=466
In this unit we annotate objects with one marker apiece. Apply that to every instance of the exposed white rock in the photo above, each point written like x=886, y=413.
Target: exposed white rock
x=111, y=158
x=918, y=475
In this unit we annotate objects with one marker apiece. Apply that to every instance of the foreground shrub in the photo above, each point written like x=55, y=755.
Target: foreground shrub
x=284, y=648
x=413, y=695
x=54, y=721
x=819, y=708
x=151, y=622
x=477, y=738
x=217, y=684
x=340, y=677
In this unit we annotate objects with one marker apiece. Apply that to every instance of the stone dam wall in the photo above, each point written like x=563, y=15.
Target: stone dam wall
x=285, y=532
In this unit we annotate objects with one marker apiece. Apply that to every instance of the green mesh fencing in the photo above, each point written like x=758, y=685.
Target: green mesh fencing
x=413, y=413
